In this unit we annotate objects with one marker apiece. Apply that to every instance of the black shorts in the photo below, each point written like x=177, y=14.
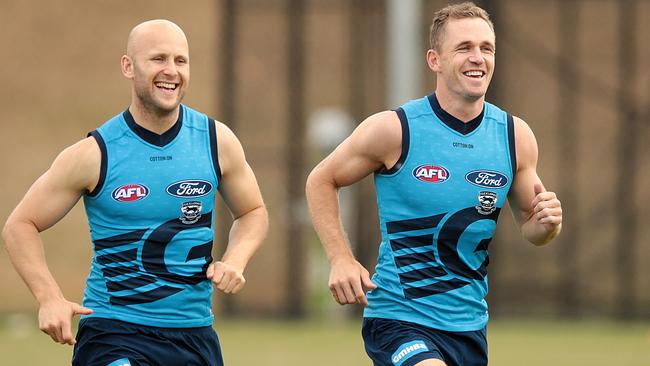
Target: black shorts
x=396, y=343
x=104, y=342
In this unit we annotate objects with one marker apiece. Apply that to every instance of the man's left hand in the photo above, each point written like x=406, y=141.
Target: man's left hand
x=547, y=210
x=226, y=277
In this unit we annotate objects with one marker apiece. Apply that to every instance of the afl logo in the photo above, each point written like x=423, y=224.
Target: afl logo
x=130, y=192
x=431, y=173
x=189, y=188
x=487, y=178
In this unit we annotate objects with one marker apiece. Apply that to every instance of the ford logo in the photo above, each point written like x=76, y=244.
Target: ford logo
x=487, y=178
x=189, y=188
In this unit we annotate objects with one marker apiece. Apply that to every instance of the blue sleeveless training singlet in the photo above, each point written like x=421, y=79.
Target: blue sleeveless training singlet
x=438, y=209
x=151, y=222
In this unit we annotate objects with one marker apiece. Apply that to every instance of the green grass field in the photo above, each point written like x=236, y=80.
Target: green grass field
x=270, y=343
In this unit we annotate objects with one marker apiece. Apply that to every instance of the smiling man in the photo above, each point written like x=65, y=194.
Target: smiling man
x=149, y=178
x=443, y=166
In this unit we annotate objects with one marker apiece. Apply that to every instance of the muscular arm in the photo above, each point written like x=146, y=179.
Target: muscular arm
x=376, y=143
x=49, y=199
x=242, y=195
x=537, y=211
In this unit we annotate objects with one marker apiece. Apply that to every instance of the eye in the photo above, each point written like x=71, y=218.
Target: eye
x=487, y=48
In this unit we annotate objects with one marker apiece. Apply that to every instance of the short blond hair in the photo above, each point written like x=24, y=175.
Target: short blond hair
x=455, y=11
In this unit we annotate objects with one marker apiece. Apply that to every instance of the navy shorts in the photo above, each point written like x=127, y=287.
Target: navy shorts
x=104, y=342
x=396, y=343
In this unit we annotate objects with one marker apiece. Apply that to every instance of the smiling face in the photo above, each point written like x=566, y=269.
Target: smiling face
x=157, y=62
x=464, y=61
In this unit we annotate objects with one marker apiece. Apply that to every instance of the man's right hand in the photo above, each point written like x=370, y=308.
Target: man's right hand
x=55, y=319
x=349, y=281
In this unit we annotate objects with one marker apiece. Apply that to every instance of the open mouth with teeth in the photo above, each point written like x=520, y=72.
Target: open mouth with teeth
x=166, y=87
x=476, y=74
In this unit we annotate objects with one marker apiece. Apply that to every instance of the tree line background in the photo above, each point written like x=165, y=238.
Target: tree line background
x=276, y=70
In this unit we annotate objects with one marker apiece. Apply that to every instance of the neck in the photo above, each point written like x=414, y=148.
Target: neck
x=461, y=108
x=157, y=121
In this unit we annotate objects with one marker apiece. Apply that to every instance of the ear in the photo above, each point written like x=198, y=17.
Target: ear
x=127, y=67
x=433, y=60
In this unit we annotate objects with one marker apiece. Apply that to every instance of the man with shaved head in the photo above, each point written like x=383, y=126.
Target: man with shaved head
x=148, y=178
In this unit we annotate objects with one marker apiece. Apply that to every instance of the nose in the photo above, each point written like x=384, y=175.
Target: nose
x=476, y=56
x=170, y=68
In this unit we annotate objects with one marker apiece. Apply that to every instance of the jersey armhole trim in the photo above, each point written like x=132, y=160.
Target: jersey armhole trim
x=511, y=144
x=104, y=163
x=214, y=150
x=405, y=144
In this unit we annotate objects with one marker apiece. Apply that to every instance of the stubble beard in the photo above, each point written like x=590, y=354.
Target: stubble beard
x=152, y=106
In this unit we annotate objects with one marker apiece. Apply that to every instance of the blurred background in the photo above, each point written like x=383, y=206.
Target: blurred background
x=294, y=77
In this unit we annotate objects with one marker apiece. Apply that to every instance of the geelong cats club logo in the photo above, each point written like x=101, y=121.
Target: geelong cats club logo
x=431, y=173
x=130, y=192
x=487, y=202
x=190, y=212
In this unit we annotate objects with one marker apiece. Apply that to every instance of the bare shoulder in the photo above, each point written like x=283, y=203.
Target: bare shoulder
x=374, y=145
x=385, y=125
x=229, y=148
x=83, y=154
x=88, y=147
x=522, y=129
x=75, y=171
x=224, y=134
x=525, y=143
x=78, y=165
x=380, y=136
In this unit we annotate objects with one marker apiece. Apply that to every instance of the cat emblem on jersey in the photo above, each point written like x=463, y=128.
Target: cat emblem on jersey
x=190, y=212
x=487, y=202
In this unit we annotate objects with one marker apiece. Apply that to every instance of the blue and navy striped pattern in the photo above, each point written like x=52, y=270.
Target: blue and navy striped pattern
x=152, y=247
x=437, y=224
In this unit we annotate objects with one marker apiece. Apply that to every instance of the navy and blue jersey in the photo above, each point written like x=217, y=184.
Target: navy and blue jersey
x=151, y=222
x=438, y=209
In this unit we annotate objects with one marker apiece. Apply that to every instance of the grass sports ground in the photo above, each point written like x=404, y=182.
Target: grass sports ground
x=314, y=343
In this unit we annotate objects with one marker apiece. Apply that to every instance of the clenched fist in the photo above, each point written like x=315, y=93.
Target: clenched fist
x=226, y=277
